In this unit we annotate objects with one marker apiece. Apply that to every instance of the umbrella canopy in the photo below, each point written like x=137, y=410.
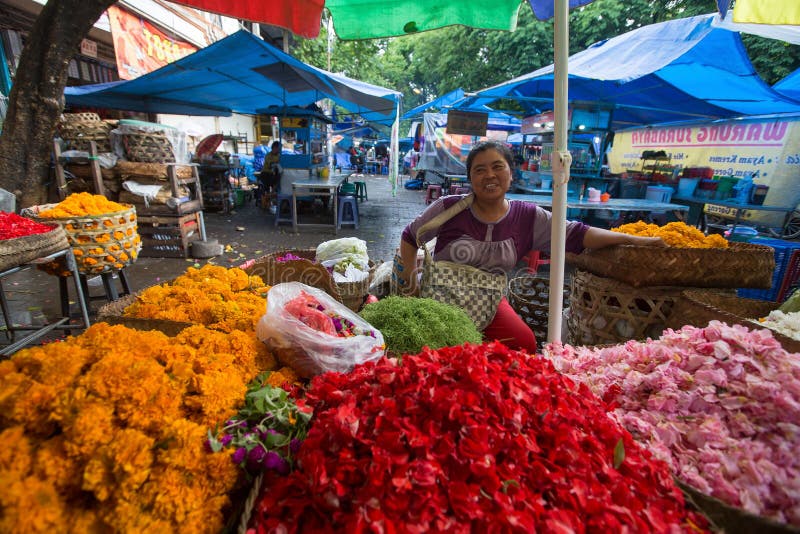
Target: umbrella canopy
x=649, y=75
x=238, y=74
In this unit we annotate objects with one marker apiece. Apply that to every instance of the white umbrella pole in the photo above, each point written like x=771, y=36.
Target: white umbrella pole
x=561, y=160
x=394, y=148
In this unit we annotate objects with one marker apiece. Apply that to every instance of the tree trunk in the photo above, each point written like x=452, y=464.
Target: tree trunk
x=36, y=99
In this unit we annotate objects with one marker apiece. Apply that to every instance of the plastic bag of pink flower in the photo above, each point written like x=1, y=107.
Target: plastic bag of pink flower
x=313, y=333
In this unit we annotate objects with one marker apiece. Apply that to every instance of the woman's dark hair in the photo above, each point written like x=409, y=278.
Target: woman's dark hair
x=483, y=146
x=276, y=144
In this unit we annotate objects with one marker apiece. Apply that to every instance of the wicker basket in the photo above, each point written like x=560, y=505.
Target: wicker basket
x=354, y=293
x=19, y=250
x=148, y=148
x=698, y=307
x=530, y=298
x=304, y=271
x=731, y=520
x=605, y=311
x=100, y=243
x=740, y=265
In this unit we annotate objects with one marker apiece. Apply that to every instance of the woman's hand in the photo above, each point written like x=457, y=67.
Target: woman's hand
x=596, y=238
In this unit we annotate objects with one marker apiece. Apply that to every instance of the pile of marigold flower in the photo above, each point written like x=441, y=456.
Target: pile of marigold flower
x=106, y=431
x=674, y=234
x=82, y=204
x=220, y=298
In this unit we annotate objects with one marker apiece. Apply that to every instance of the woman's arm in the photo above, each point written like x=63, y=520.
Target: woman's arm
x=599, y=238
x=408, y=275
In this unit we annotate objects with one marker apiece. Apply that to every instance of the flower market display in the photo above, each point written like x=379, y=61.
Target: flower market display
x=720, y=404
x=787, y=323
x=107, y=430
x=467, y=439
x=217, y=297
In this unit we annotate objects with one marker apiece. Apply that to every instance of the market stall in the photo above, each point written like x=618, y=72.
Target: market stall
x=409, y=429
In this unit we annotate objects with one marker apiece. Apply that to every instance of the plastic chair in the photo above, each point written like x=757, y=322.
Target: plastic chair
x=348, y=212
x=284, y=199
x=361, y=190
x=433, y=193
x=532, y=258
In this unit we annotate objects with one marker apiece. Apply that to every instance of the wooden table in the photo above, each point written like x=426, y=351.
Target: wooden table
x=316, y=187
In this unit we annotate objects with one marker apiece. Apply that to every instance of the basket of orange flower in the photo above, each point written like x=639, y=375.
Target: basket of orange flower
x=690, y=259
x=103, y=234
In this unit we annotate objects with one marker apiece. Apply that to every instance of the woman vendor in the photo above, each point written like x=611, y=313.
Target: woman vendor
x=493, y=233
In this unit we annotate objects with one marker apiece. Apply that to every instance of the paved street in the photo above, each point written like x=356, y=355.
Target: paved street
x=247, y=233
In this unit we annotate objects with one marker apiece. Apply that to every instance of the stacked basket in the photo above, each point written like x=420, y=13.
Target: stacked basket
x=100, y=243
x=78, y=129
x=529, y=296
x=630, y=292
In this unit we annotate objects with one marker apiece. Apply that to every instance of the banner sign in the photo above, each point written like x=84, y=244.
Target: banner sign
x=467, y=122
x=446, y=152
x=140, y=47
x=769, y=149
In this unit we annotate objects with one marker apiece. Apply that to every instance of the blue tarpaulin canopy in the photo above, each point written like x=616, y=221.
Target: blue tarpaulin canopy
x=497, y=119
x=676, y=70
x=789, y=86
x=238, y=74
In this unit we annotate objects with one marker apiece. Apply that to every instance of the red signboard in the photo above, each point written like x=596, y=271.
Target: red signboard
x=140, y=47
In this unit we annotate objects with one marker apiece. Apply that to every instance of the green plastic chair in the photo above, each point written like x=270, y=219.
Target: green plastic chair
x=361, y=191
x=347, y=189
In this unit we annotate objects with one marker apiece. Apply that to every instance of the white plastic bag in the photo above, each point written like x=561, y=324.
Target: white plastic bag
x=306, y=349
x=339, y=253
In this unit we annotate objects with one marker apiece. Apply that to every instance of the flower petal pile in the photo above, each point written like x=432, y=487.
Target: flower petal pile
x=106, y=431
x=470, y=438
x=220, y=298
x=721, y=404
x=675, y=234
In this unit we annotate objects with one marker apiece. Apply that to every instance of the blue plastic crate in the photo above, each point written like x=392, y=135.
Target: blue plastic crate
x=783, y=253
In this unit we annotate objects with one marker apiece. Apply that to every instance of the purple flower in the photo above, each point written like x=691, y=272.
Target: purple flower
x=270, y=431
x=226, y=440
x=294, y=445
x=239, y=455
x=255, y=458
x=274, y=461
x=337, y=324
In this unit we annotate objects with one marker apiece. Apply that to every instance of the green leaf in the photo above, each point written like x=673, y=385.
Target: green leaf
x=619, y=454
x=214, y=443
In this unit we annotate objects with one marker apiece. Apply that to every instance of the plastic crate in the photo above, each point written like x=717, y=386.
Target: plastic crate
x=784, y=251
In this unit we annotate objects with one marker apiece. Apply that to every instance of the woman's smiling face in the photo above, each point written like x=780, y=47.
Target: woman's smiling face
x=490, y=175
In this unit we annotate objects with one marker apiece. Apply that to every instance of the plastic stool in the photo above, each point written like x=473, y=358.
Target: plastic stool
x=361, y=191
x=433, y=193
x=348, y=212
x=279, y=218
x=110, y=292
x=347, y=188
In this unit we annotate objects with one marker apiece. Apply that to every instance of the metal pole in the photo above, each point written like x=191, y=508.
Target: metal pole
x=561, y=160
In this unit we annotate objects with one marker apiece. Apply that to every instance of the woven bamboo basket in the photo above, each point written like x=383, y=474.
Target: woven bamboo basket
x=606, y=311
x=698, y=307
x=80, y=117
x=148, y=148
x=304, y=270
x=354, y=293
x=530, y=297
x=100, y=243
x=729, y=519
x=20, y=250
x=740, y=265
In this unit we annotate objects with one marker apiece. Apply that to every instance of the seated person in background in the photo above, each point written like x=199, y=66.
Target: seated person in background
x=270, y=176
x=493, y=233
